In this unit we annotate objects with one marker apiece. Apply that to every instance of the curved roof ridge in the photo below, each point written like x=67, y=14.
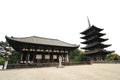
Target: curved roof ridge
x=42, y=41
x=44, y=37
x=32, y=37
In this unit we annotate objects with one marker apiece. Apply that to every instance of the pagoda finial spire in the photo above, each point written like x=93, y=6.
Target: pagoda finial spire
x=88, y=21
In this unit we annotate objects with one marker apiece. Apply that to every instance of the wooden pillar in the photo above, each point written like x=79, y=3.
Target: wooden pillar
x=57, y=57
x=28, y=58
x=34, y=58
x=51, y=57
x=43, y=57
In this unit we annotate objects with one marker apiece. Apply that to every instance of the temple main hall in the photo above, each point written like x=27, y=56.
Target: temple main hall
x=41, y=50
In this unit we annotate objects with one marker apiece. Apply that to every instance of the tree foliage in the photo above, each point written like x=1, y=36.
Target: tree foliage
x=2, y=60
x=78, y=55
x=14, y=58
x=113, y=57
x=4, y=44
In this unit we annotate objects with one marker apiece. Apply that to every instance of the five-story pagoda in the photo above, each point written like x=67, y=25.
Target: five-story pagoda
x=94, y=48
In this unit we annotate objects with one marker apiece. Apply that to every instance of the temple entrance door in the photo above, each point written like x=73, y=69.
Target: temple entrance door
x=38, y=58
x=47, y=58
x=55, y=58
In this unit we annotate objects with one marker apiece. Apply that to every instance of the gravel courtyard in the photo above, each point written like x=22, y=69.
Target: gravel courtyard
x=80, y=72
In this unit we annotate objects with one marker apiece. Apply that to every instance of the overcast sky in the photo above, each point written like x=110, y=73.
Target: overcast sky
x=60, y=19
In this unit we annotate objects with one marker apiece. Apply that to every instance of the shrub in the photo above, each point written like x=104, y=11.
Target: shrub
x=14, y=58
x=2, y=60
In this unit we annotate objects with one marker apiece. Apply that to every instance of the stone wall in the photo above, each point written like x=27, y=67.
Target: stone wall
x=17, y=66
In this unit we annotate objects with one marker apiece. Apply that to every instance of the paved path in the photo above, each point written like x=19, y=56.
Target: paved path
x=81, y=72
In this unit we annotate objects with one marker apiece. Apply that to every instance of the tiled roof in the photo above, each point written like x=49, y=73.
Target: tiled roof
x=42, y=41
x=88, y=30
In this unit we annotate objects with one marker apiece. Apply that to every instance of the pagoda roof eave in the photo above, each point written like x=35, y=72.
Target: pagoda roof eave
x=89, y=28
x=94, y=39
x=94, y=33
x=98, y=51
x=95, y=45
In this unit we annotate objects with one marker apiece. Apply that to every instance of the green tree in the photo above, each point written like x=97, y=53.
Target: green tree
x=14, y=58
x=4, y=44
x=75, y=55
x=4, y=50
x=78, y=55
x=84, y=58
x=113, y=57
x=2, y=60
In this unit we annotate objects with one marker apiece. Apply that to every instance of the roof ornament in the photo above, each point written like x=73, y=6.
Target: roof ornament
x=88, y=21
